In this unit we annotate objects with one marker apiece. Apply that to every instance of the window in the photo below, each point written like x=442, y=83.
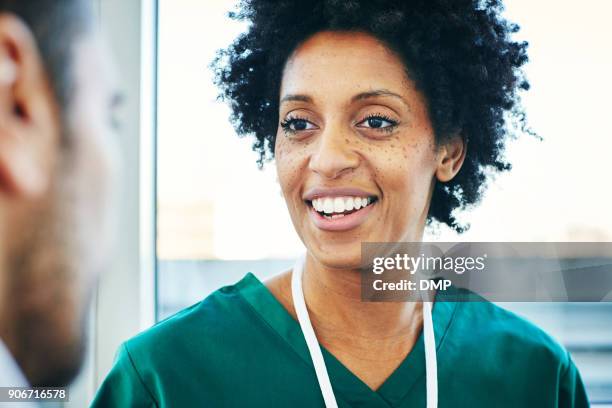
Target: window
x=213, y=203
x=219, y=217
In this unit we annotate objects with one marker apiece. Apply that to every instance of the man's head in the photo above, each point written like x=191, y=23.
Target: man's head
x=56, y=162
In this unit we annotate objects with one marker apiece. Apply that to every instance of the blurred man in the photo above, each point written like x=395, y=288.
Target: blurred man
x=56, y=168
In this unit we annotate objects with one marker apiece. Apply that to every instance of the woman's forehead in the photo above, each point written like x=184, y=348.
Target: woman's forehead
x=338, y=62
x=337, y=68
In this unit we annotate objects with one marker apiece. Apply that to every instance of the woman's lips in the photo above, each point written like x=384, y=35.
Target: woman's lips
x=343, y=223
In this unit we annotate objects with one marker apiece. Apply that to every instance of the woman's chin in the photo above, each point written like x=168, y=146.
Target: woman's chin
x=337, y=256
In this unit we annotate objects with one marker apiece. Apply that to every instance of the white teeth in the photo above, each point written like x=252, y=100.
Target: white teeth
x=349, y=204
x=328, y=205
x=338, y=205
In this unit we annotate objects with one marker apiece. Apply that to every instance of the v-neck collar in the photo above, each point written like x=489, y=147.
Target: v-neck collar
x=347, y=386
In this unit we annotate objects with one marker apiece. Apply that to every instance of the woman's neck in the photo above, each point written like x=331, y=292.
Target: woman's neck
x=371, y=339
x=334, y=303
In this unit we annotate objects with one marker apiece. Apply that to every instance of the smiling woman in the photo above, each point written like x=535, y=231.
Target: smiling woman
x=363, y=136
x=458, y=56
x=382, y=117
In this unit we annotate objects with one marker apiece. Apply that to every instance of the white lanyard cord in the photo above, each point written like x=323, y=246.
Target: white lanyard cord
x=431, y=363
x=317, y=356
x=311, y=340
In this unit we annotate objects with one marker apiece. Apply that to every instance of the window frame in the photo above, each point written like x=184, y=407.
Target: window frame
x=126, y=296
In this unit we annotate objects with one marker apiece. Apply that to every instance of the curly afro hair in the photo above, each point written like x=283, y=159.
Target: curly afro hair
x=459, y=53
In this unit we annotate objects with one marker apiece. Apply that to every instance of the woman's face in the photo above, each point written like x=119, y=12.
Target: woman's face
x=355, y=150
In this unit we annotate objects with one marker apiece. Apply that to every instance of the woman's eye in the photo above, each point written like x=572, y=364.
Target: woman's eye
x=297, y=125
x=377, y=122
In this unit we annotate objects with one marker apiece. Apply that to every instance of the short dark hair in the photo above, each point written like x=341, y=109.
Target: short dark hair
x=56, y=24
x=459, y=53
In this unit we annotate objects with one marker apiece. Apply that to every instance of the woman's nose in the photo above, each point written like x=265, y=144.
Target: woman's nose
x=333, y=155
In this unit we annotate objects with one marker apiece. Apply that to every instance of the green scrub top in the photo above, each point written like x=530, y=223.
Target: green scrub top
x=240, y=348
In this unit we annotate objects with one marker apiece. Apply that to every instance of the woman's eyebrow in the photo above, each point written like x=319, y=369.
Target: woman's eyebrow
x=296, y=97
x=377, y=93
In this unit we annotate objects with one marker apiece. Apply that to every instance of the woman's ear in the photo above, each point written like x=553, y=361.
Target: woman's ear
x=29, y=119
x=450, y=158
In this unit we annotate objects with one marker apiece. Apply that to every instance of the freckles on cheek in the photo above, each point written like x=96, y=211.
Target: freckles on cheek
x=419, y=155
x=289, y=163
x=403, y=170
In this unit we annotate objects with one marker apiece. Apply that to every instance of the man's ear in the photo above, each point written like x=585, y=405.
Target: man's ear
x=450, y=158
x=29, y=120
